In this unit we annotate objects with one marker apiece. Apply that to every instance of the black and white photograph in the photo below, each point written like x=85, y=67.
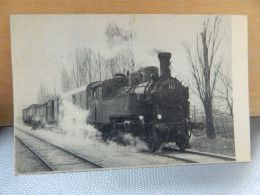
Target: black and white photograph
x=95, y=92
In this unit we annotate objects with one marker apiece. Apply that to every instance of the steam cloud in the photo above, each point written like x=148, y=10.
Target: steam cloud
x=73, y=125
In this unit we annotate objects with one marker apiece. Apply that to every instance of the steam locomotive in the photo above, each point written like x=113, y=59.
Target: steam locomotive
x=152, y=107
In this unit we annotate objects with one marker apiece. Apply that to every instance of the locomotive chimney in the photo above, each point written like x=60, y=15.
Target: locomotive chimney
x=165, y=64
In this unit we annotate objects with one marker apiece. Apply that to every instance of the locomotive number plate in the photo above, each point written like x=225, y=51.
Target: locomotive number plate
x=171, y=86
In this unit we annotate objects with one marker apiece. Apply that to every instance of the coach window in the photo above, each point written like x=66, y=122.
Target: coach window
x=80, y=100
x=74, y=99
x=100, y=93
x=89, y=95
x=95, y=93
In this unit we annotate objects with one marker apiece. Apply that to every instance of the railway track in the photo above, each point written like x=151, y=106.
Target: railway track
x=54, y=157
x=215, y=156
x=185, y=160
x=190, y=156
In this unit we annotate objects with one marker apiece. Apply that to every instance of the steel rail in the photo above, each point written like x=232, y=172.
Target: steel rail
x=63, y=149
x=35, y=153
x=173, y=157
x=201, y=153
x=177, y=158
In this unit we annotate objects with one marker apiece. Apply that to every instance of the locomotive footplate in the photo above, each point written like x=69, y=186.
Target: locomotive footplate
x=168, y=127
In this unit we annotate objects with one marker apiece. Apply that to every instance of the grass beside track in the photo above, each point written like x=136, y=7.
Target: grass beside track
x=223, y=144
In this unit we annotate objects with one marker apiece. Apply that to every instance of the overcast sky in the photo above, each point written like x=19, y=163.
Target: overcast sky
x=43, y=44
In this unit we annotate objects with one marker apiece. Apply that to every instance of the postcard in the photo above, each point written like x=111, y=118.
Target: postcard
x=95, y=92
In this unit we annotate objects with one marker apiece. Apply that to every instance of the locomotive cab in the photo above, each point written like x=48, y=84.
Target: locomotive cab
x=100, y=96
x=143, y=75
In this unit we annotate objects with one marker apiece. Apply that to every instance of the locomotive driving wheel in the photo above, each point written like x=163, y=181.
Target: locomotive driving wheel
x=152, y=141
x=182, y=146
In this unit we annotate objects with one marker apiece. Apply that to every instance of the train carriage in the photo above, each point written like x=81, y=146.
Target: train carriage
x=24, y=116
x=52, y=111
x=28, y=113
x=80, y=99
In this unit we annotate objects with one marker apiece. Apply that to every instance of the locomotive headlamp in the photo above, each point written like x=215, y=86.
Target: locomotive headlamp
x=159, y=116
x=141, y=117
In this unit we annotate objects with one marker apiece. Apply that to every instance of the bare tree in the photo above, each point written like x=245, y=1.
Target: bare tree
x=114, y=32
x=205, y=67
x=66, y=81
x=226, y=93
x=101, y=68
x=83, y=71
x=99, y=63
x=43, y=94
x=120, y=63
x=89, y=66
